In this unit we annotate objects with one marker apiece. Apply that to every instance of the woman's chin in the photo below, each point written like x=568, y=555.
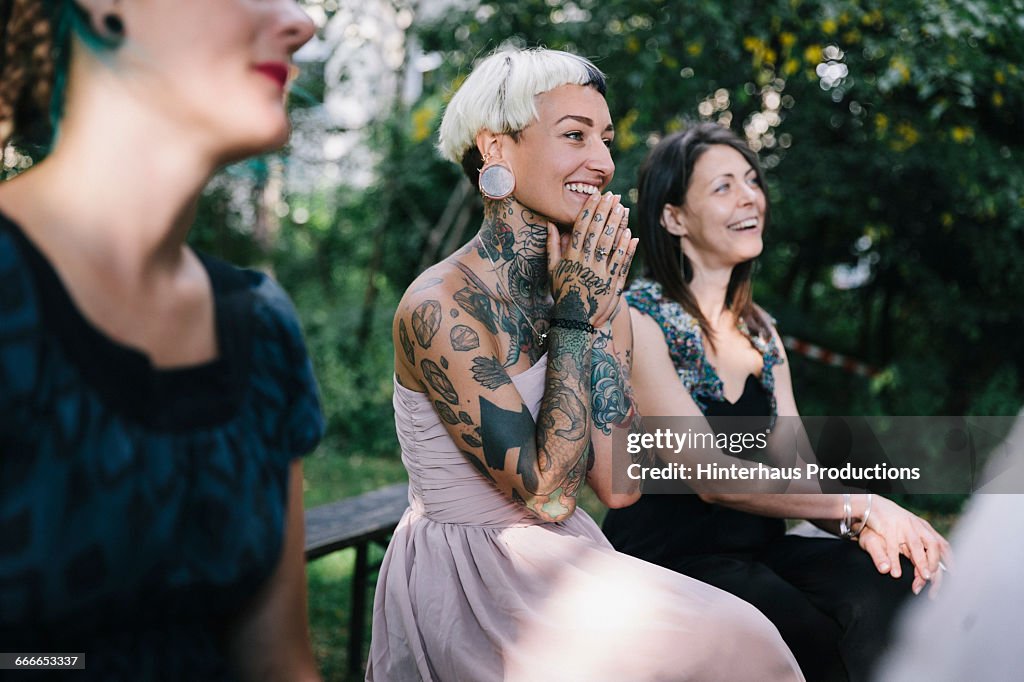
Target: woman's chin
x=252, y=147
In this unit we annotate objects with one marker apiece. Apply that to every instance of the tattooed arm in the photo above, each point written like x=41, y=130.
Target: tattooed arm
x=447, y=346
x=614, y=407
x=454, y=360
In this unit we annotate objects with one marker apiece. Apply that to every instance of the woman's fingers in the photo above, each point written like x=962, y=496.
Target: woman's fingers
x=556, y=246
x=630, y=252
x=580, y=228
x=595, y=230
x=892, y=553
x=596, y=256
x=618, y=265
x=617, y=256
x=937, y=579
x=932, y=547
x=608, y=236
x=916, y=553
x=872, y=543
x=919, y=582
x=945, y=551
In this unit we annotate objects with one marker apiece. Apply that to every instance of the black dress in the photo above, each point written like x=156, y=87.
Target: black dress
x=825, y=596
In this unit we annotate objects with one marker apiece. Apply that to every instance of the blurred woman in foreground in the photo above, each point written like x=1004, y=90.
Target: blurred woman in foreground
x=154, y=401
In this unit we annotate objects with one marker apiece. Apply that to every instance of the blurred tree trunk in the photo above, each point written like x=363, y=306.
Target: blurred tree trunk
x=452, y=223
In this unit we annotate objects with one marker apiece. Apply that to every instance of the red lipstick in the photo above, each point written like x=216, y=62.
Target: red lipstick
x=278, y=71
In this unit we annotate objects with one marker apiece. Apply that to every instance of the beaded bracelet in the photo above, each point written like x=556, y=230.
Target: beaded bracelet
x=578, y=325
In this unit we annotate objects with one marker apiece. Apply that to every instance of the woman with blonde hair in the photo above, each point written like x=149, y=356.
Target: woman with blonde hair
x=154, y=401
x=508, y=388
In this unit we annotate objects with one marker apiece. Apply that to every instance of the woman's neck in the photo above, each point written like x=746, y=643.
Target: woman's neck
x=709, y=288
x=120, y=188
x=513, y=239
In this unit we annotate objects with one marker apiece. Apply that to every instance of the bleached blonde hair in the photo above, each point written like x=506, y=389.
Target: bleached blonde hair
x=499, y=96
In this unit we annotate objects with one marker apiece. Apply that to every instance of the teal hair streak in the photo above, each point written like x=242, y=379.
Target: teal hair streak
x=68, y=19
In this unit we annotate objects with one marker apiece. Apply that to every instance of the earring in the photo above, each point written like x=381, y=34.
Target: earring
x=496, y=180
x=114, y=25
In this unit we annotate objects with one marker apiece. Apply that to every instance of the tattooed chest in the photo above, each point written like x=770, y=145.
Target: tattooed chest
x=518, y=336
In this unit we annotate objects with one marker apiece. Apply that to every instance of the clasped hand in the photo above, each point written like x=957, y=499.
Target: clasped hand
x=588, y=266
x=893, y=531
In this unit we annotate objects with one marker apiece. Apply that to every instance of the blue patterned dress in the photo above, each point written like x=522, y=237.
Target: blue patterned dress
x=141, y=509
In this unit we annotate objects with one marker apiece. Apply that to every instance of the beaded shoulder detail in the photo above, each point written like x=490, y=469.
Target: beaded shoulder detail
x=686, y=345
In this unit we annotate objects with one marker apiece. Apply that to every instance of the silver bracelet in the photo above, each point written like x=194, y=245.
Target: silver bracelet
x=844, y=523
x=864, y=521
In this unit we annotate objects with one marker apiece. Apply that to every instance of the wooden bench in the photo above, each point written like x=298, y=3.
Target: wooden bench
x=356, y=522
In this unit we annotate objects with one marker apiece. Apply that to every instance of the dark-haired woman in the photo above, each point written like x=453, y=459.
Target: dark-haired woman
x=154, y=401
x=703, y=348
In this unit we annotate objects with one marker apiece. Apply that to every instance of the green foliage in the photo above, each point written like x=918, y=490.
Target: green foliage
x=905, y=158
x=908, y=165
x=332, y=474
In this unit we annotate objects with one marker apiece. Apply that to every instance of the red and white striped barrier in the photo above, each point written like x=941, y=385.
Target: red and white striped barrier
x=828, y=357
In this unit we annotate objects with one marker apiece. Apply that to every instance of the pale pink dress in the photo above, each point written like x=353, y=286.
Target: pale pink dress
x=474, y=588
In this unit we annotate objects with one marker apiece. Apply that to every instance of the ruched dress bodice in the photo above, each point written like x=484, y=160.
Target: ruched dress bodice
x=443, y=486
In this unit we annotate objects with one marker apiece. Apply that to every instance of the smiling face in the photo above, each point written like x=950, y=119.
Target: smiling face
x=215, y=71
x=722, y=217
x=563, y=157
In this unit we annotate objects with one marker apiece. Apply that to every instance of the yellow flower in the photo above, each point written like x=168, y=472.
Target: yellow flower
x=624, y=135
x=694, y=49
x=947, y=220
x=962, y=134
x=456, y=84
x=813, y=54
x=872, y=18
x=851, y=37
x=844, y=18
x=421, y=120
x=632, y=45
x=787, y=40
x=881, y=123
x=908, y=137
x=901, y=67
x=671, y=62
x=1000, y=77
x=997, y=99
x=790, y=67
x=757, y=49
x=770, y=56
x=829, y=26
